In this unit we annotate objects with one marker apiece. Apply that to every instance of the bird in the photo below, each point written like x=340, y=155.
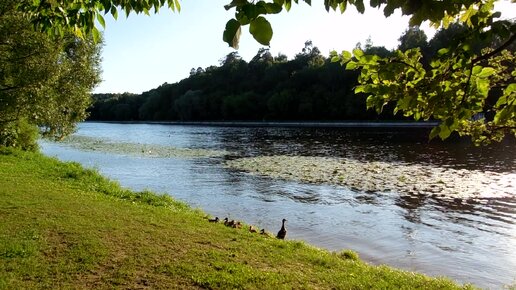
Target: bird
x=228, y=223
x=237, y=225
x=282, y=232
x=263, y=232
x=215, y=220
x=252, y=229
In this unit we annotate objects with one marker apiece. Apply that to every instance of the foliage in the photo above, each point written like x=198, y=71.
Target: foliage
x=45, y=81
x=469, y=89
x=80, y=17
x=19, y=134
x=455, y=87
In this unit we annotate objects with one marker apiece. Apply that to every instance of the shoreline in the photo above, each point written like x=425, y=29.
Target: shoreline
x=287, y=124
x=106, y=236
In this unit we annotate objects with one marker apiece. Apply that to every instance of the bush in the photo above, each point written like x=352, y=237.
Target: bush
x=19, y=134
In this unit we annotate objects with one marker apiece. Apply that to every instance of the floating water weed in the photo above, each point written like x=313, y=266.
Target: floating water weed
x=380, y=176
x=146, y=150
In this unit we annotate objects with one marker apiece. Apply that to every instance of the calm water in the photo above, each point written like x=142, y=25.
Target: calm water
x=472, y=240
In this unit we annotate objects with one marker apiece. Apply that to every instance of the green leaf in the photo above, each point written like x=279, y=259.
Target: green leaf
x=127, y=10
x=351, y=65
x=107, y=7
x=288, y=5
x=261, y=30
x=251, y=11
x=503, y=115
x=96, y=35
x=273, y=8
x=442, y=51
x=360, y=89
x=476, y=70
x=235, y=3
x=389, y=9
x=114, y=12
x=359, y=4
x=435, y=132
x=375, y=3
x=482, y=86
x=502, y=100
x=242, y=18
x=342, y=6
x=232, y=33
x=346, y=56
x=487, y=71
x=178, y=5
x=444, y=131
x=358, y=53
x=510, y=89
x=101, y=20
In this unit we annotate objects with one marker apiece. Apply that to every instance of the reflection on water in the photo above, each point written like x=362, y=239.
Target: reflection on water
x=470, y=240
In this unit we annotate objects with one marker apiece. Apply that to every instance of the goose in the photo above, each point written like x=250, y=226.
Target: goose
x=252, y=229
x=282, y=232
x=237, y=225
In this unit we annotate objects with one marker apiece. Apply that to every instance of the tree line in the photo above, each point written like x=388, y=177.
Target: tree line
x=307, y=88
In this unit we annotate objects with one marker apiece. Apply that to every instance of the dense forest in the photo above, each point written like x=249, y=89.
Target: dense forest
x=272, y=88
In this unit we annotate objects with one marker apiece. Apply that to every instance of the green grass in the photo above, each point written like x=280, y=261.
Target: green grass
x=66, y=227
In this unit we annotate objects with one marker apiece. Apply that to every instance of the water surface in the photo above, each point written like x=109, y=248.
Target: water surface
x=469, y=240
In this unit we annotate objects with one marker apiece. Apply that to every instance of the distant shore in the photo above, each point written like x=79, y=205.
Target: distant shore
x=291, y=124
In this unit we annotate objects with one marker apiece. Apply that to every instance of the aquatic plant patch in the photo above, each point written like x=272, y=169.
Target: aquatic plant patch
x=148, y=150
x=380, y=176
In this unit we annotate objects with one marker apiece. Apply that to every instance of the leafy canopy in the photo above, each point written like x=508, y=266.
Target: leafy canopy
x=471, y=91
x=44, y=81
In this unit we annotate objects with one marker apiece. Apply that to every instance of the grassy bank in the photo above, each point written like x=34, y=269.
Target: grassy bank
x=66, y=227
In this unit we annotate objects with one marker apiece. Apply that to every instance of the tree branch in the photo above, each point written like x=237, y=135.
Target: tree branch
x=6, y=88
x=496, y=51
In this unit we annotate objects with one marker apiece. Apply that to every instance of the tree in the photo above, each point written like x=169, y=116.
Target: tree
x=412, y=38
x=44, y=81
x=470, y=89
x=469, y=92
x=455, y=88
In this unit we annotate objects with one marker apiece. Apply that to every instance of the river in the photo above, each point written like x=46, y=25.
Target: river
x=471, y=239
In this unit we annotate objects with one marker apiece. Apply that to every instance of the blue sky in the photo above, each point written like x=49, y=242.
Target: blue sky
x=142, y=52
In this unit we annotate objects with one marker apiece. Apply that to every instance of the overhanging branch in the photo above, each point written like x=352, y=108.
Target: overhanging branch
x=497, y=50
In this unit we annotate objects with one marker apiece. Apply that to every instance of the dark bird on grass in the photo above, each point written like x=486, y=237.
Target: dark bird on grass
x=237, y=225
x=252, y=229
x=263, y=232
x=228, y=223
x=215, y=220
x=283, y=231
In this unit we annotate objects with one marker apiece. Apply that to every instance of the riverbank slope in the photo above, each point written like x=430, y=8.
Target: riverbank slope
x=67, y=227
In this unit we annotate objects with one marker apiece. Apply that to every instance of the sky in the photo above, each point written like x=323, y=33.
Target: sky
x=143, y=52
